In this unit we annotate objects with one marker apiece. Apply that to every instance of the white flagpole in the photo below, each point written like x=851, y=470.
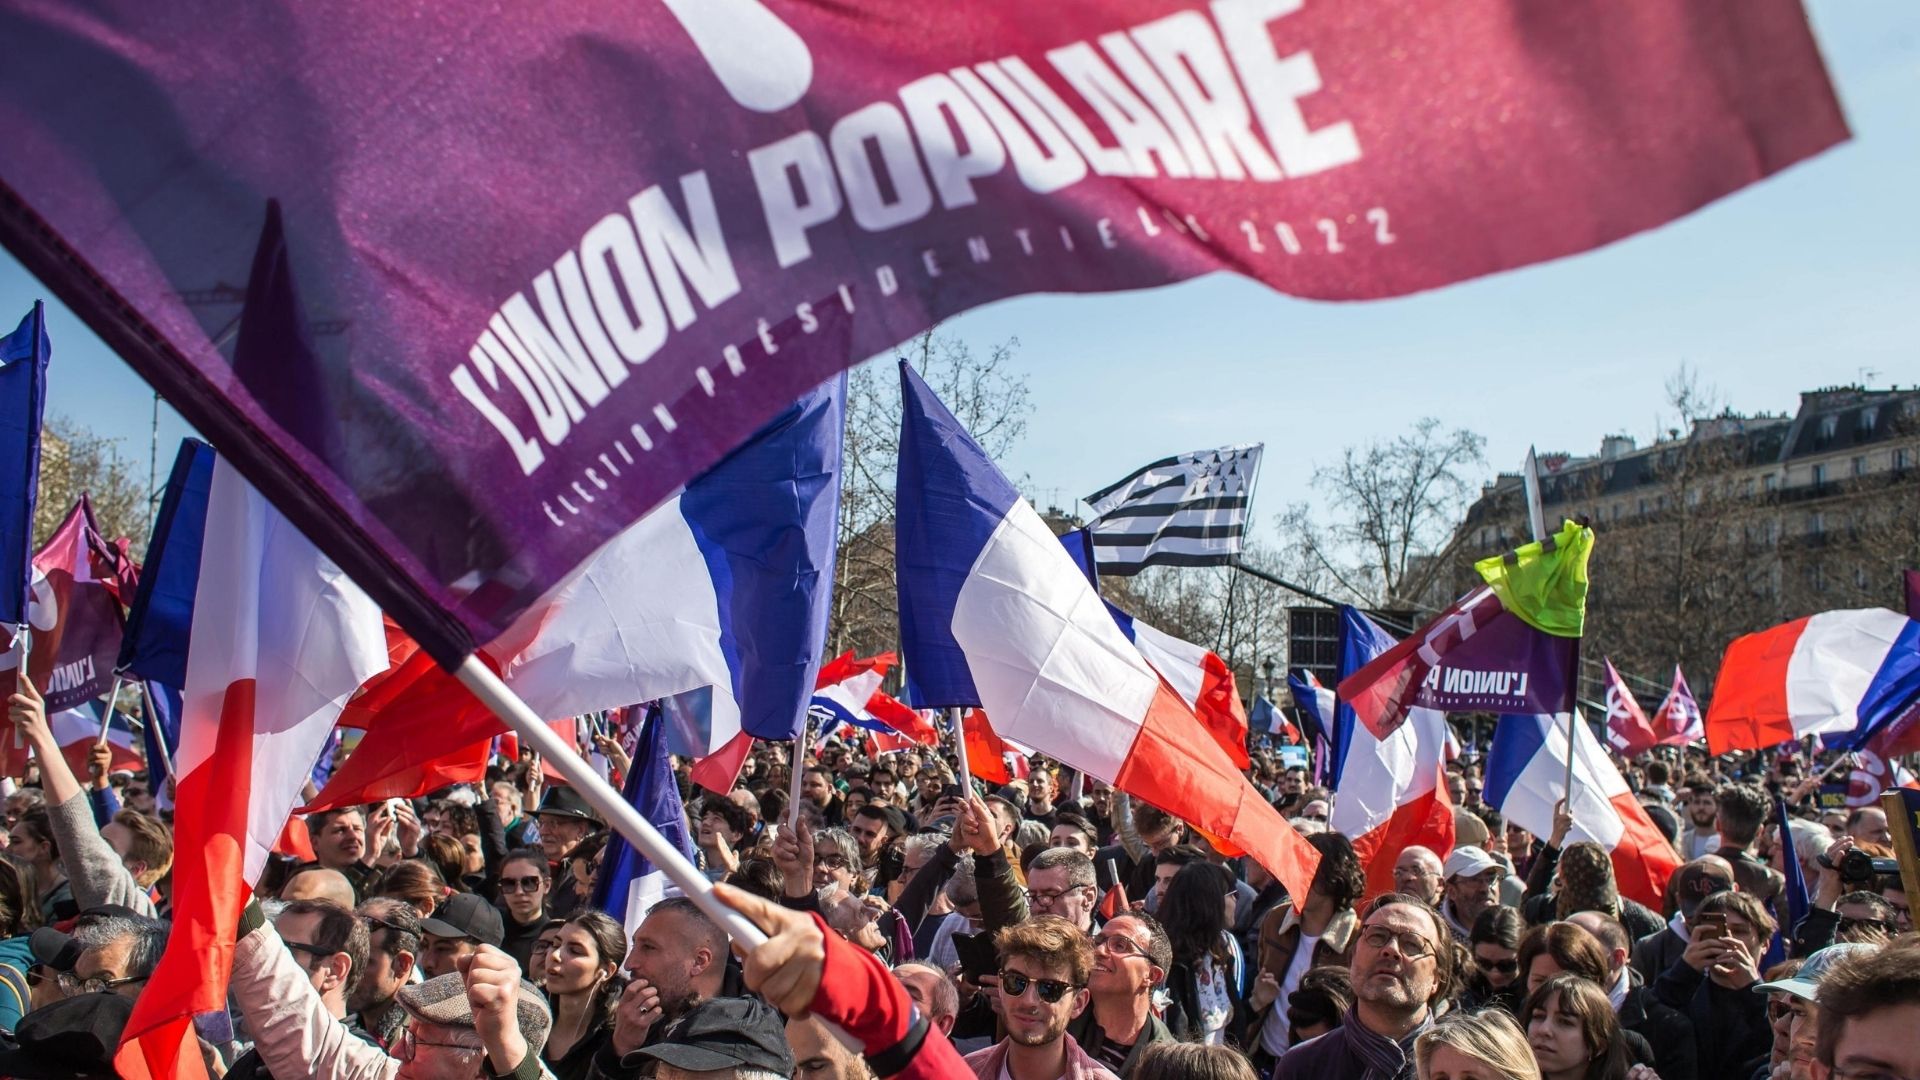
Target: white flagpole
x=795, y=768
x=957, y=718
x=620, y=814
x=1537, y=523
x=25, y=639
x=106, y=717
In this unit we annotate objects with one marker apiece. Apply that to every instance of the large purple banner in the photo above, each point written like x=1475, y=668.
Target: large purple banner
x=533, y=267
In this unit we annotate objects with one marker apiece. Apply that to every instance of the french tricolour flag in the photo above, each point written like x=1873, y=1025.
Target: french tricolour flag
x=994, y=614
x=1201, y=678
x=1392, y=790
x=629, y=884
x=1841, y=675
x=280, y=638
x=1527, y=775
x=848, y=689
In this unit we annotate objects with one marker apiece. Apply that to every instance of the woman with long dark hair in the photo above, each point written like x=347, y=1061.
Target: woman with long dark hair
x=1495, y=976
x=583, y=986
x=1207, y=977
x=1574, y=1033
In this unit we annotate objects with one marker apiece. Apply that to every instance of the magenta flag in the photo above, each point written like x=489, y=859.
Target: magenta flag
x=529, y=269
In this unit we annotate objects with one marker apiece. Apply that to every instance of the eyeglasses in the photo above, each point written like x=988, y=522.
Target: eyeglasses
x=1051, y=991
x=314, y=951
x=831, y=862
x=1882, y=925
x=1503, y=967
x=1050, y=897
x=71, y=984
x=521, y=884
x=1119, y=943
x=1412, y=946
x=136, y=791
x=410, y=1044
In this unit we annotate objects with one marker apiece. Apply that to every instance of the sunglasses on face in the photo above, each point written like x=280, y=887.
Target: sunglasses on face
x=1502, y=967
x=520, y=884
x=1014, y=984
x=1881, y=925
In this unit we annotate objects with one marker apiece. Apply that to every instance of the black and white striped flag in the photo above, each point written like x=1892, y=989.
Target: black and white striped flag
x=1187, y=510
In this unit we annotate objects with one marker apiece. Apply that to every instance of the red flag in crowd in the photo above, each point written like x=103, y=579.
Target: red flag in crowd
x=1627, y=727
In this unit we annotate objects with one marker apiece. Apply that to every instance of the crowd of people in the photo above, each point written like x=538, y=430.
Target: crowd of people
x=924, y=925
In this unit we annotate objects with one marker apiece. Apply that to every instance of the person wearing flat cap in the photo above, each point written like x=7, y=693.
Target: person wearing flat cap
x=480, y=1021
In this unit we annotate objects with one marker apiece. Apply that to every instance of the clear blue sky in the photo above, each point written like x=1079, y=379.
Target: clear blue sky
x=1808, y=279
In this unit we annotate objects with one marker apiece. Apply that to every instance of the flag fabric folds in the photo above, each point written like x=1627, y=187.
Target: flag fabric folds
x=1678, y=720
x=849, y=690
x=160, y=619
x=721, y=593
x=23, y=401
x=1187, y=510
x=1361, y=642
x=628, y=884
x=994, y=614
x=1393, y=794
x=1527, y=774
x=1627, y=726
x=77, y=730
x=1842, y=675
x=1510, y=646
x=1201, y=678
x=75, y=616
x=281, y=637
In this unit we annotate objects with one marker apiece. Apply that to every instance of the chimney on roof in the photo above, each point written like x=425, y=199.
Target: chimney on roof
x=1616, y=446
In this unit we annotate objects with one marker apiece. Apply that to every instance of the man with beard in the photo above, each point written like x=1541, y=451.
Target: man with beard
x=678, y=960
x=1698, y=836
x=1471, y=882
x=1402, y=966
x=393, y=944
x=1044, y=965
x=817, y=791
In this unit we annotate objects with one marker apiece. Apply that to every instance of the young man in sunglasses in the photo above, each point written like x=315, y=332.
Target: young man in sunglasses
x=1044, y=966
x=329, y=943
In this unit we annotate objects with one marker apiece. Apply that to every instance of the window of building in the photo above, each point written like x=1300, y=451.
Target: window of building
x=1860, y=465
x=1817, y=523
x=1829, y=426
x=1770, y=483
x=1902, y=458
x=1819, y=576
x=1869, y=417
x=1819, y=474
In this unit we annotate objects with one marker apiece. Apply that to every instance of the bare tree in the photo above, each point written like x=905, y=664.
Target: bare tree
x=74, y=460
x=1385, y=529
x=985, y=393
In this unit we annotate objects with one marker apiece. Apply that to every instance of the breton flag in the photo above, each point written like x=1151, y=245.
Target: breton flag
x=1201, y=678
x=1678, y=720
x=1842, y=675
x=280, y=638
x=628, y=884
x=1186, y=510
x=720, y=596
x=1627, y=726
x=1512, y=645
x=994, y=614
x=1527, y=774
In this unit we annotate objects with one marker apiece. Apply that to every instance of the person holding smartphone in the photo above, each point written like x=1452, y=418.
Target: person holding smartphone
x=1712, y=984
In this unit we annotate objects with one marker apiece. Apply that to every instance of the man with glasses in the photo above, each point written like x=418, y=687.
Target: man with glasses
x=111, y=949
x=1060, y=881
x=1131, y=956
x=1417, y=873
x=1471, y=884
x=522, y=890
x=1402, y=966
x=329, y=943
x=393, y=947
x=1044, y=966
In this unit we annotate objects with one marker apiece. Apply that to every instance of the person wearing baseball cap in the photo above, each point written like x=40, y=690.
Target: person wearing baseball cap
x=1470, y=880
x=725, y=1033
x=1799, y=994
x=458, y=928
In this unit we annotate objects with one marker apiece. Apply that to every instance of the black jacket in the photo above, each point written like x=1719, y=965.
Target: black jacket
x=1668, y=1032
x=1729, y=1026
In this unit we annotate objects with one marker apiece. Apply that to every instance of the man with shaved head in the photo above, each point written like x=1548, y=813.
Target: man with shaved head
x=1417, y=873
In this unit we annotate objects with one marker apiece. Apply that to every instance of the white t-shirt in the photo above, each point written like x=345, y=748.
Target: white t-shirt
x=1273, y=1030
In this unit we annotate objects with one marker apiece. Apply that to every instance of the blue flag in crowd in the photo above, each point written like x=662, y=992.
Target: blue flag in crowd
x=160, y=619
x=1794, y=896
x=628, y=883
x=23, y=400
x=1361, y=639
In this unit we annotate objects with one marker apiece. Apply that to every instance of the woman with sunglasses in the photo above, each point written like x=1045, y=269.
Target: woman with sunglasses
x=522, y=898
x=583, y=985
x=1493, y=979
